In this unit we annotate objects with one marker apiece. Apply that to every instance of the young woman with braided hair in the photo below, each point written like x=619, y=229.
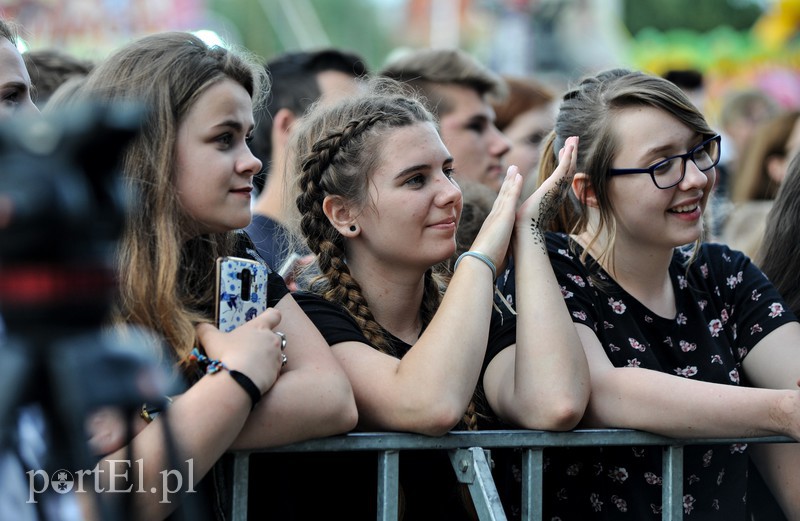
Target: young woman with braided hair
x=380, y=205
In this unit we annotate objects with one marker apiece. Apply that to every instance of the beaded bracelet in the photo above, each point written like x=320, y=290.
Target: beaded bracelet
x=477, y=255
x=212, y=366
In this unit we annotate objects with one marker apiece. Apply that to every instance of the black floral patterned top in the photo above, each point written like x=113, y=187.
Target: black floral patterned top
x=725, y=306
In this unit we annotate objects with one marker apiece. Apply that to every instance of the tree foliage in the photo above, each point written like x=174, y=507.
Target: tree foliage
x=265, y=27
x=692, y=15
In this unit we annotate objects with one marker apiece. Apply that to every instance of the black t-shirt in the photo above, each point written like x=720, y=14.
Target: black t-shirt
x=725, y=306
x=312, y=486
x=337, y=325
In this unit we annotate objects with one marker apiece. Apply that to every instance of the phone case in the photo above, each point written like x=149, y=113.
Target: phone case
x=241, y=291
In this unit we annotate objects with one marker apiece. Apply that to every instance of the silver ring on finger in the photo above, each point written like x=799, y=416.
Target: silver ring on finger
x=283, y=339
x=283, y=359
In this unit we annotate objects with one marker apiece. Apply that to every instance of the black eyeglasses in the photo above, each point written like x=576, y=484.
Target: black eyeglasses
x=671, y=171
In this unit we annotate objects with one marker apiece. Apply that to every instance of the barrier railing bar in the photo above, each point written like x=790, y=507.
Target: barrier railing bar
x=379, y=441
x=389, y=444
x=472, y=468
x=388, y=484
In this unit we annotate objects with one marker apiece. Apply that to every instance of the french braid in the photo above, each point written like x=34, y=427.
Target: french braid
x=336, y=149
x=323, y=238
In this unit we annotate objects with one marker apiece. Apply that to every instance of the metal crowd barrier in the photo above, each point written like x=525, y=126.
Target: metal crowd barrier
x=467, y=450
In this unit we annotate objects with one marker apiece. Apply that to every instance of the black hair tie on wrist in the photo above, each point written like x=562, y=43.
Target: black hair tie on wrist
x=247, y=384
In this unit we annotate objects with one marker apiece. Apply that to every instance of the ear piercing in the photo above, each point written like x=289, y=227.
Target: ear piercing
x=353, y=227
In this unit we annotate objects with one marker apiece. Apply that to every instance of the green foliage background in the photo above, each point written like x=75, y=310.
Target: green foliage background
x=692, y=15
x=356, y=25
x=663, y=33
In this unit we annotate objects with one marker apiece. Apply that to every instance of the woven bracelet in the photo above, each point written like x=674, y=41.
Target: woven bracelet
x=212, y=366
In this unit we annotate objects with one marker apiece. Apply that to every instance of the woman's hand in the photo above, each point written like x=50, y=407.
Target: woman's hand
x=253, y=348
x=542, y=206
x=107, y=428
x=494, y=237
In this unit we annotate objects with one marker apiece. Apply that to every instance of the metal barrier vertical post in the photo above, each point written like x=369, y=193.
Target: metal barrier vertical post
x=672, y=484
x=388, y=484
x=241, y=476
x=532, y=484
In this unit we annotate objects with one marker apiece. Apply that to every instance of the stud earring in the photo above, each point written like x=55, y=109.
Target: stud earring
x=353, y=227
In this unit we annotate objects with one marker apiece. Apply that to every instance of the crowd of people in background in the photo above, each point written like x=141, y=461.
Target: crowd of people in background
x=448, y=249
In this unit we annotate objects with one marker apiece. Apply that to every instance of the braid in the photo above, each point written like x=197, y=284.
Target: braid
x=471, y=417
x=312, y=194
x=346, y=290
x=431, y=297
x=323, y=238
x=335, y=153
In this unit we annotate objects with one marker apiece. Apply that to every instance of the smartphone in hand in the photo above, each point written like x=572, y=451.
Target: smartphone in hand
x=241, y=290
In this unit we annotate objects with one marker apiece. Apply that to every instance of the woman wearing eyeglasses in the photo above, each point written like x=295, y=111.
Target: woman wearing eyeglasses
x=678, y=332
